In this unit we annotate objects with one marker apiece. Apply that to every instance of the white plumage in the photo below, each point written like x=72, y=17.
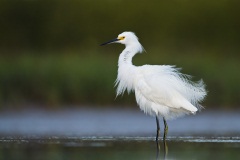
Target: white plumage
x=160, y=90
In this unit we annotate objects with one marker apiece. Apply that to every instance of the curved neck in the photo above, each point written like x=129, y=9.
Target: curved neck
x=125, y=57
x=128, y=53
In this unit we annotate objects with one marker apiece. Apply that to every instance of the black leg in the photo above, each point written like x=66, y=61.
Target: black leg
x=158, y=129
x=165, y=129
x=164, y=138
x=158, y=134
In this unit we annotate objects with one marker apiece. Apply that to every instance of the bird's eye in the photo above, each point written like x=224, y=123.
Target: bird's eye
x=122, y=38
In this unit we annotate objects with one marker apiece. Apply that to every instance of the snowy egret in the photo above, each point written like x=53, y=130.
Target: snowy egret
x=160, y=90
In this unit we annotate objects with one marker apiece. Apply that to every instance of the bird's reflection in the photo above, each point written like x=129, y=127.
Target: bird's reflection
x=165, y=149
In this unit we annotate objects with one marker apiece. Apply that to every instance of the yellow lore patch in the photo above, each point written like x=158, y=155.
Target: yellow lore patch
x=121, y=38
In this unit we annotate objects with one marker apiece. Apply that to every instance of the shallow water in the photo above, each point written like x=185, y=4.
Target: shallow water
x=115, y=134
x=132, y=148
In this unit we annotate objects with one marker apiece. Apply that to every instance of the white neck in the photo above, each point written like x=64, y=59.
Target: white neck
x=126, y=70
x=128, y=53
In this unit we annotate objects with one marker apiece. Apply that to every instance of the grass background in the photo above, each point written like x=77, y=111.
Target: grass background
x=70, y=78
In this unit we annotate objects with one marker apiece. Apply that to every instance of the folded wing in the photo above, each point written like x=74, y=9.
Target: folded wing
x=165, y=86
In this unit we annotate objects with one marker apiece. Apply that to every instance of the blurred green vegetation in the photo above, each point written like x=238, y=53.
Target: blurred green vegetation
x=50, y=51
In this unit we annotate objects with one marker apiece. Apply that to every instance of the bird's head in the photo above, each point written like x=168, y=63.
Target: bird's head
x=124, y=38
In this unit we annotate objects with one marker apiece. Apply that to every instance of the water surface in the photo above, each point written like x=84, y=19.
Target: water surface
x=108, y=148
x=94, y=134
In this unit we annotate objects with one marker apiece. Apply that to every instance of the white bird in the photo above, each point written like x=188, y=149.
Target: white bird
x=160, y=90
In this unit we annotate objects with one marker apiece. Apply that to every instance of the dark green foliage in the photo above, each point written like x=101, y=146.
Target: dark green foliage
x=50, y=50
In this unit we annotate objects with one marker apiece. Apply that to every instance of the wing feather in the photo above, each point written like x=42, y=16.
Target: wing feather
x=165, y=85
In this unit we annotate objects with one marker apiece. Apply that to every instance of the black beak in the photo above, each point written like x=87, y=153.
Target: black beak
x=114, y=40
